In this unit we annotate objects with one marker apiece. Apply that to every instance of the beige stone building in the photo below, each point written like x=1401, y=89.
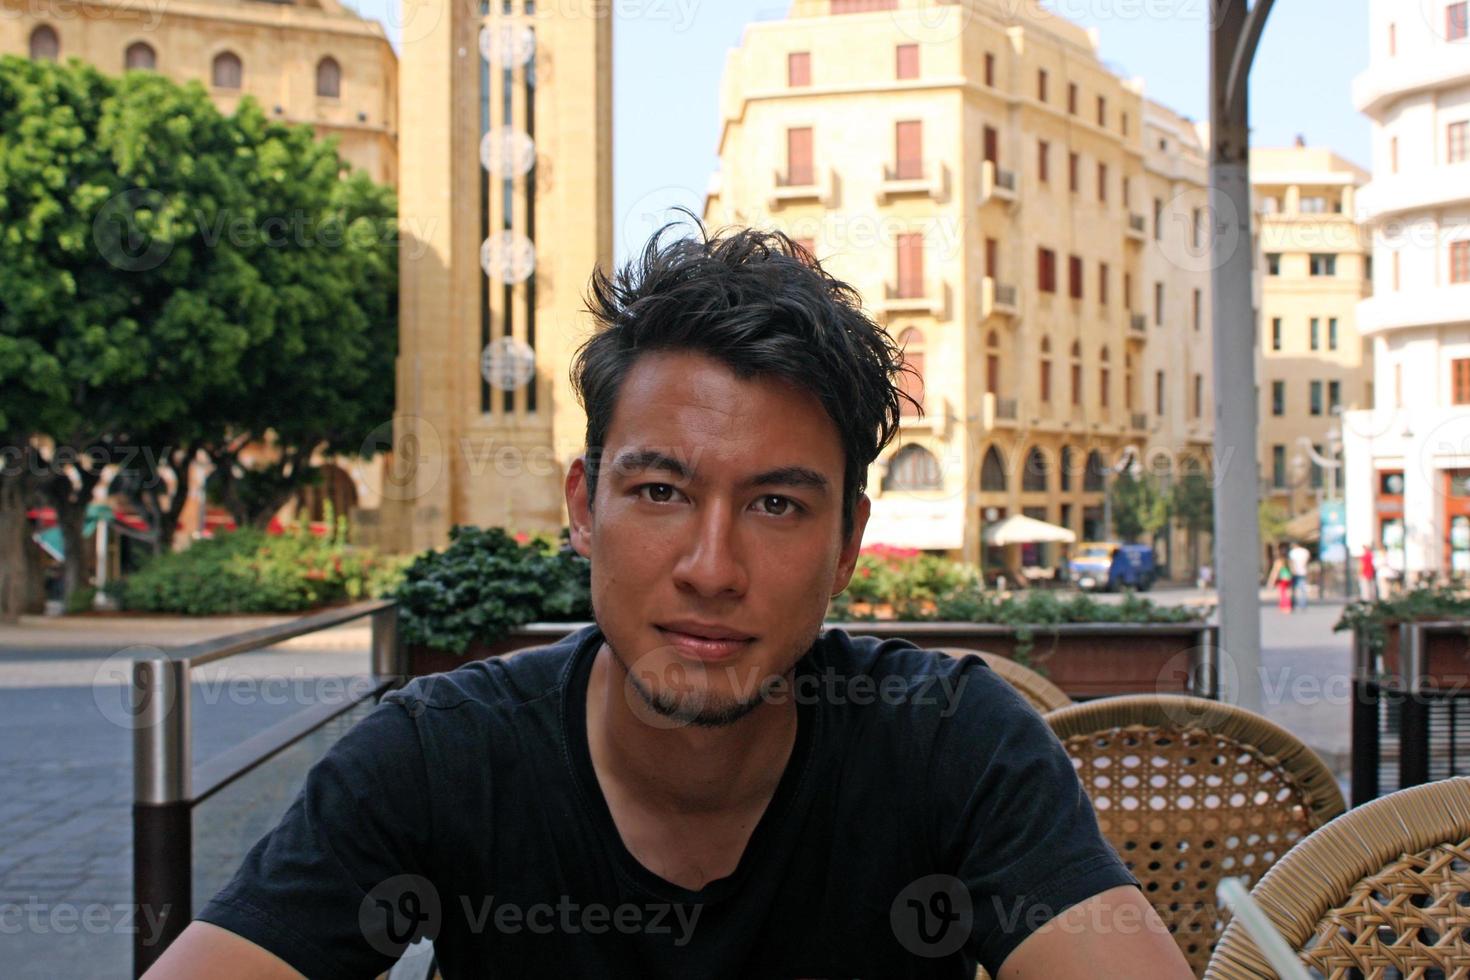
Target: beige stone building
x=1314, y=365
x=505, y=205
x=1023, y=221
x=304, y=61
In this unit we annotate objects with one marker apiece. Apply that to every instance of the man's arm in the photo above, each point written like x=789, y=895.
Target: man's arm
x=1114, y=935
x=205, y=950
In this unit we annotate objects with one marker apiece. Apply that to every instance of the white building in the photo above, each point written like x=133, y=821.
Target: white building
x=1408, y=459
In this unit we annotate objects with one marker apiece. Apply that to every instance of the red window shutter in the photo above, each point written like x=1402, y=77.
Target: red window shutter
x=992, y=145
x=1461, y=369
x=992, y=258
x=1459, y=262
x=799, y=170
x=1102, y=282
x=911, y=382
x=909, y=140
x=911, y=265
x=799, y=68
x=1076, y=384
x=992, y=373
x=1046, y=380
x=1103, y=377
x=1074, y=276
x=908, y=61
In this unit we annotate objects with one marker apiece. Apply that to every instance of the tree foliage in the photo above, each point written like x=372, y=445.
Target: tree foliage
x=1139, y=508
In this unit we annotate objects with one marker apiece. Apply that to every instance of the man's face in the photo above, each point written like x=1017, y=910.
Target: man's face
x=716, y=533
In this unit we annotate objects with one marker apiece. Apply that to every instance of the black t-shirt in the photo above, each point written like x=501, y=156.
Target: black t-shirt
x=927, y=819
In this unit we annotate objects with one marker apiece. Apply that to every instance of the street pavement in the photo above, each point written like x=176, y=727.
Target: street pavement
x=66, y=758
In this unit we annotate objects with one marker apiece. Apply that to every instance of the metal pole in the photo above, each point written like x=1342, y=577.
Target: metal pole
x=1414, y=716
x=1234, y=33
x=162, y=807
x=388, y=653
x=1366, y=749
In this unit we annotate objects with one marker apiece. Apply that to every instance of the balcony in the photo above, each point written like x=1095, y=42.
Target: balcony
x=1376, y=89
x=1137, y=227
x=929, y=298
x=807, y=184
x=1429, y=188
x=998, y=298
x=1138, y=323
x=914, y=177
x=1415, y=308
x=996, y=184
x=996, y=412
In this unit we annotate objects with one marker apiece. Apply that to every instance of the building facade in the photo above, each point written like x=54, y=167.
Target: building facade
x=505, y=208
x=1408, y=458
x=1021, y=221
x=305, y=61
x=1315, y=264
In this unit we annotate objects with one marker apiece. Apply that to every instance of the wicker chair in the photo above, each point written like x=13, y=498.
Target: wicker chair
x=1042, y=693
x=1383, y=892
x=1190, y=791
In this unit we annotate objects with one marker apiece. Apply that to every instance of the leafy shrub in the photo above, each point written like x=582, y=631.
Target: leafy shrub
x=487, y=583
x=1372, y=619
x=250, y=571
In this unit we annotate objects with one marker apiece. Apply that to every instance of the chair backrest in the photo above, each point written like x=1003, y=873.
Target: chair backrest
x=1042, y=693
x=1383, y=891
x=1189, y=791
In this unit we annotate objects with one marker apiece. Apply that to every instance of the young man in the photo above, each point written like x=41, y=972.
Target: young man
x=703, y=784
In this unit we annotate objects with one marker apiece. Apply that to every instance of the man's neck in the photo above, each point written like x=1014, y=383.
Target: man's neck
x=686, y=770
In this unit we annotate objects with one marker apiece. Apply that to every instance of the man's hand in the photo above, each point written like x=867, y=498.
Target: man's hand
x=204, y=950
x=1115, y=935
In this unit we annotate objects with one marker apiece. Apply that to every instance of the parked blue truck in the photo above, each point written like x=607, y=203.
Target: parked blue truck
x=1107, y=566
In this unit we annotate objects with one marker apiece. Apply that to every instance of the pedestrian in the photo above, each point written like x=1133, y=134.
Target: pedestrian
x=1280, y=576
x=1369, y=575
x=1300, y=561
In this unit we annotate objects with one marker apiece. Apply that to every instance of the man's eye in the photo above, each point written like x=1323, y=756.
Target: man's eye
x=658, y=493
x=778, y=506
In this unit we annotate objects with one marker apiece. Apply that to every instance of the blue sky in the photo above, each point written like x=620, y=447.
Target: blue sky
x=668, y=56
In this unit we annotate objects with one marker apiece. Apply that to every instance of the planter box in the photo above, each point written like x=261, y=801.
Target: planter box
x=1086, y=660
x=1446, y=654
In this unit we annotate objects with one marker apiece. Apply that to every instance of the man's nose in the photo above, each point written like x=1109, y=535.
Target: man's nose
x=713, y=562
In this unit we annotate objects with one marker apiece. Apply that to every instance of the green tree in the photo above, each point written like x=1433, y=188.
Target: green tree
x=1139, y=509
x=1192, y=503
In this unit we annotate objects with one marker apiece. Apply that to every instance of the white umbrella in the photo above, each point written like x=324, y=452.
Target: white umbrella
x=1020, y=529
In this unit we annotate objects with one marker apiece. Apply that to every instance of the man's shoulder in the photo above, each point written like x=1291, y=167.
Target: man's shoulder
x=909, y=677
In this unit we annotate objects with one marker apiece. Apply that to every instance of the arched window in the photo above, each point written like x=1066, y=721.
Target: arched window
x=45, y=45
x=1069, y=462
x=1093, y=477
x=139, y=57
x=912, y=468
x=227, y=71
x=993, y=472
x=1034, y=477
x=328, y=78
x=911, y=381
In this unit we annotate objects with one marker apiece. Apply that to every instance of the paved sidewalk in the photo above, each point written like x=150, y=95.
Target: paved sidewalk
x=116, y=630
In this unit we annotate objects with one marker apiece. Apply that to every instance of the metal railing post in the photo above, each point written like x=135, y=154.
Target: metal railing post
x=162, y=807
x=1414, y=717
x=1367, y=696
x=1207, y=664
x=389, y=659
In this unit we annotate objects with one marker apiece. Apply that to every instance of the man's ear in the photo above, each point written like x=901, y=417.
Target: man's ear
x=847, y=558
x=579, y=507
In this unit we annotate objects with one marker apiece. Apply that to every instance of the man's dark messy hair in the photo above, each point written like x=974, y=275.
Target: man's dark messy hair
x=760, y=304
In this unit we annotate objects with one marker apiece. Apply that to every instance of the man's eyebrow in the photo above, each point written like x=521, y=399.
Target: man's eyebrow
x=791, y=476
x=638, y=460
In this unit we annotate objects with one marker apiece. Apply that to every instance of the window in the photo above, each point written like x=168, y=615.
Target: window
x=1158, y=392
x=1158, y=219
x=1074, y=276
x=1276, y=333
x=1456, y=21
x=1397, y=271
x=227, y=72
x=1064, y=474
x=1199, y=311
x=1278, y=466
x=1332, y=333
x=912, y=468
x=992, y=365
x=1102, y=182
x=799, y=169
x=1041, y=84
x=1127, y=191
x=909, y=149
x=799, y=69
x=1128, y=381
x=1314, y=398
x=1045, y=377
x=1199, y=396
x=1102, y=111
x=328, y=78
x=906, y=58
x=1128, y=291
x=1196, y=228
x=1043, y=161
x=1393, y=40
x=911, y=380
x=1125, y=123
x=1312, y=204
x=139, y=57
x=989, y=69
x=992, y=472
x=1046, y=270
x=1076, y=374
x=992, y=145
x=1398, y=386
x=1158, y=304
x=1316, y=468
x=1074, y=163
x=1034, y=477
x=1460, y=375
x=1102, y=283
x=1460, y=261
x=1278, y=398
x=45, y=45
x=1072, y=98
x=1457, y=142
x=1334, y=396
x=911, y=265
x=1273, y=263
x=992, y=258
x=1104, y=378
x=1316, y=334
x=1324, y=265
x=1393, y=154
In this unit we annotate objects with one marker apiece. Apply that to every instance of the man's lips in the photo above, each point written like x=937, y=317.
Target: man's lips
x=705, y=642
